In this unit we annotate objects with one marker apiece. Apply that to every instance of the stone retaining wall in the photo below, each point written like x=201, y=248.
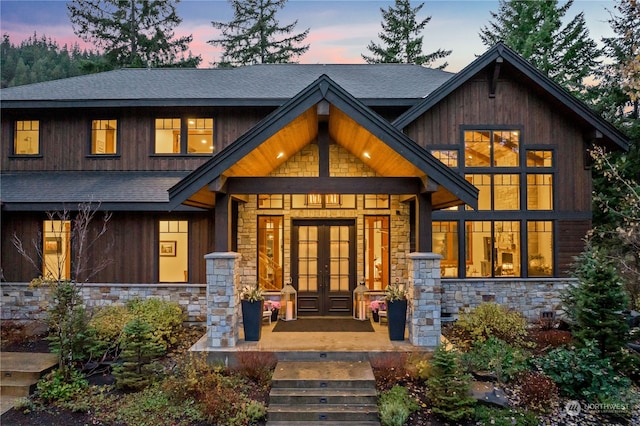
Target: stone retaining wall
x=528, y=296
x=20, y=302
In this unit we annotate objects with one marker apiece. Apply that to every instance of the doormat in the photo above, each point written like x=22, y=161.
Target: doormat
x=302, y=325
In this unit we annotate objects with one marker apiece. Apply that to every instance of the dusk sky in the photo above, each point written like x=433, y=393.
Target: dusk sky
x=339, y=30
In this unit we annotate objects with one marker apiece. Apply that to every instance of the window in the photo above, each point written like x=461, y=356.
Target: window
x=449, y=157
x=540, y=248
x=173, y=251
x=444, y=238
x=104, y=137
x=270, y=201
x=491, y=148
x=26, y=137
x=270, y=252
x=376, y=252
x=320, y=201
x=169, y=136
x=56, y=249
x=504, y=237
x=493, y=249
x=376, y=201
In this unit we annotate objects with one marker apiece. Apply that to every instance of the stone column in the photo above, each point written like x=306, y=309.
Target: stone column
x=424, y=299
x=223, y=300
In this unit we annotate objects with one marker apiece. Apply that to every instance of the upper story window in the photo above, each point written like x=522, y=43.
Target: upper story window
x=169, y=137
x=491, y=148
x=26, y=137
x=449, y=157
x=104, y=137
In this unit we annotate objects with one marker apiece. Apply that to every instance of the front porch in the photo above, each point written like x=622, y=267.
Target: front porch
x=313, y=345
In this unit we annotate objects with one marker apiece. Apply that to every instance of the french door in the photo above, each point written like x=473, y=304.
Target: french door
x=323, y=266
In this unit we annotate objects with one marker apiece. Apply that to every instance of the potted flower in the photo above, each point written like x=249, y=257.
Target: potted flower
x=274, y=307
x=396, y=299
x=376, y=306
x=252, y=300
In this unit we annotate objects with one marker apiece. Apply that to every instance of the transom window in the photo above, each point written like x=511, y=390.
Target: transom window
x=26, y=137
x=169, y=137
x=323, y=201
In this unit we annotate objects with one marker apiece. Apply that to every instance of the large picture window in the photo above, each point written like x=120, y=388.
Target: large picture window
x=173, y=251
x=26, y=137
x=504, y=236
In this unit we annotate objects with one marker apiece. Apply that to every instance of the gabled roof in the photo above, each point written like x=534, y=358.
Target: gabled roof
x=55, y=190
x=326, y=89
x=272, y=85
x=531, y=76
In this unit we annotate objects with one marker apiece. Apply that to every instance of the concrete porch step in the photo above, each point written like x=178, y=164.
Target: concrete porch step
x=323, y=392
x=19, y=373
x=282, y=396
x=323, y=413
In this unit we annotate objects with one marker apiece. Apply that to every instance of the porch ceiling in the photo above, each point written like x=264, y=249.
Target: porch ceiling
x=343, y=130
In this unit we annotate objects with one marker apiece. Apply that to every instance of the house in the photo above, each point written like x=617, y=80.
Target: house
x=465, y=187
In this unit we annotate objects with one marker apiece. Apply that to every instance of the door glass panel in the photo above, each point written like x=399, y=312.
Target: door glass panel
x=339, y=264
x=308, y=258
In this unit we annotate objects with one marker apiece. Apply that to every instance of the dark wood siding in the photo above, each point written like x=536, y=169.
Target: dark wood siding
x=570, y=241
x=130, y=245
x=514, y=105
x=65, y=138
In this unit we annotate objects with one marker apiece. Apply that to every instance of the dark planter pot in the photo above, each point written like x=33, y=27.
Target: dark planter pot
x=252, y=320
x=274, y=314
x=397, y=319
x=376, y=317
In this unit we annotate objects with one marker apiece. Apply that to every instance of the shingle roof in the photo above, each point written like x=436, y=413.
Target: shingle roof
x=251, y=83
x=109, y=188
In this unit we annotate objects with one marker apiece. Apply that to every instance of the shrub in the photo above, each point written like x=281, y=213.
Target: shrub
x=491, y=319
x=582, y=373
x=448, y=387
x=596, y=302
x=138, y=351
x=56, y=387
x=107, y=324
x=164, y=317
x=396, y=406
x=222, y=397
x=504, y=416
x=388, y=368
x=256, y=366
x=496, y=356
x=537, y=390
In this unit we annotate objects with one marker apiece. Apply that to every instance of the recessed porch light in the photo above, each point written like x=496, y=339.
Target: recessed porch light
x=366, y=155
x=280, y=155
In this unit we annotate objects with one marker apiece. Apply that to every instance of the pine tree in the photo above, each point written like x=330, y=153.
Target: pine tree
x=401, y=40
x=596, y=302
x=252, y=37
x=535, y=30
x=138, y=351
x=448, y=387
x=133, y=33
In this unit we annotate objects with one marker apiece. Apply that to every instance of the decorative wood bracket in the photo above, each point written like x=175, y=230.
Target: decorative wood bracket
x=493, y=80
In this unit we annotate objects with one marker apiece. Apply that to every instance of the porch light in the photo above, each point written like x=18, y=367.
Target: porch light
x=280, y=155
x=360, y=302
x=289, y=302
x=367, y=155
